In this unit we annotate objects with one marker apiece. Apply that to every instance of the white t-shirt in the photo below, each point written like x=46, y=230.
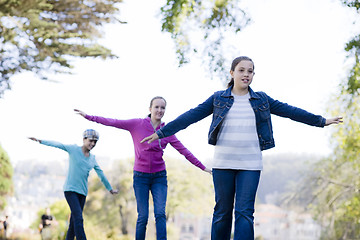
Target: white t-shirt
x=237, y=146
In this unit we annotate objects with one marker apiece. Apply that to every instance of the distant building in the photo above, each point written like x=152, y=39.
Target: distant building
x=193, y=227
x=274, y=223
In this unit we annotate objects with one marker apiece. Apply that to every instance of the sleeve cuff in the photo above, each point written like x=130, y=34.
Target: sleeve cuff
x=160, y=133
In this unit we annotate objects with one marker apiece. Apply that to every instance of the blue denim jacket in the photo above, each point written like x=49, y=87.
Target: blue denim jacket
x=263, y=105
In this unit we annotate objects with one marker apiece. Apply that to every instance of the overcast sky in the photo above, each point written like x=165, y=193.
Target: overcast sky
x=297, y=47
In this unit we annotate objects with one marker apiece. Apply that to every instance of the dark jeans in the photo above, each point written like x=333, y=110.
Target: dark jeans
x=76, y=203
x=156, y=183
x=241, y=186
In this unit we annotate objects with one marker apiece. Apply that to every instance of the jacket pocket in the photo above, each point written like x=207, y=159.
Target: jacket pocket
x=264, y=111
x=219, y=104
x=219, y=107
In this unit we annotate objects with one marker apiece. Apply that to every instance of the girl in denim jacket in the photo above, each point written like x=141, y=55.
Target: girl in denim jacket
x=241, y=128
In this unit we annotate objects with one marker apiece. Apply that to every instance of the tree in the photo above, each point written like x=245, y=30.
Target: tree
x=209, y=22
x=190, y=190
x=331, y=190
x=335, y=184
x=42, y=36
x=60, y=211
x=352, y=84
x=6, y=174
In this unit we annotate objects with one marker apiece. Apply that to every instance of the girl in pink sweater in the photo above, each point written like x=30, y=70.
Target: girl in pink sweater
x=149, y=167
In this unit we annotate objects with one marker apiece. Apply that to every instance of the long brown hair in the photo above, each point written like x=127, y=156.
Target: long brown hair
x=236, y=62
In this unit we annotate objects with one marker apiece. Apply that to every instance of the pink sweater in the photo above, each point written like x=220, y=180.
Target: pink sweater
x=148, y=157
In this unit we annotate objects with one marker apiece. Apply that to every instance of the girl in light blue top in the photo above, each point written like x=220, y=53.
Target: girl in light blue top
x=81, y=162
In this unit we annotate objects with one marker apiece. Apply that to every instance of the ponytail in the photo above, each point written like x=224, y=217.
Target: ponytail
x=231, y=83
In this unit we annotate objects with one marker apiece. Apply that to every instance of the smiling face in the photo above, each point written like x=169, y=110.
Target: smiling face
x=157, y=109
x=89, y=144
x=243, y=75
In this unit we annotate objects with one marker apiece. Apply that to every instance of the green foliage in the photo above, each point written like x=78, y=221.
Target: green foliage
x=61, y=212
x=352, y=3
x=352, y=85
x=200, y=27
x=6, y=182
x=334, y=183
x=42, y=35
x=114, y=214
x=190, y=190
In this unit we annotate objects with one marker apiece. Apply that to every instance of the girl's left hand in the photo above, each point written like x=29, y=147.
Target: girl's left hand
x=335, y=120
x=208, y=170
x=81, y=113
x=112, y=191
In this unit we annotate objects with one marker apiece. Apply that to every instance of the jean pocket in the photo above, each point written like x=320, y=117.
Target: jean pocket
x=138, y=174
x=161, y=173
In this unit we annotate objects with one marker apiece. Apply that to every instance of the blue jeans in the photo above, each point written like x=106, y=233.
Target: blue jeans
x=241, y=186
x=156, y=183
x=76, y=203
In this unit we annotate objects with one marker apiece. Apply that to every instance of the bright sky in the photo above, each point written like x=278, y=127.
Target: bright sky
x=297, y=47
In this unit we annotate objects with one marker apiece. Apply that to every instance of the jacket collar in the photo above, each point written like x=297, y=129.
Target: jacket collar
x=227, y=93
x=148, y=119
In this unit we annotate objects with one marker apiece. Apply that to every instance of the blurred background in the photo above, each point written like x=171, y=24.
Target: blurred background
x=109, y=58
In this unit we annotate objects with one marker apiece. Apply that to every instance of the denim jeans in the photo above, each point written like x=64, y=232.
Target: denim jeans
x=76, y=203
x=241, y=186
x=156, y=183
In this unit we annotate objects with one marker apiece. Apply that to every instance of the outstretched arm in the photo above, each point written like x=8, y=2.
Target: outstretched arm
x=54, y=144
x=335, y=120
x=112, y=122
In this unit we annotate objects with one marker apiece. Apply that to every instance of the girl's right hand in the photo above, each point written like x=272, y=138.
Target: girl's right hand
x=80, y=112
x=34, y=139
x=335, y=120
x=150, y=138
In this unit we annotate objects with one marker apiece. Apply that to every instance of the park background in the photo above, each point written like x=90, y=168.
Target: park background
x=298, y=50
